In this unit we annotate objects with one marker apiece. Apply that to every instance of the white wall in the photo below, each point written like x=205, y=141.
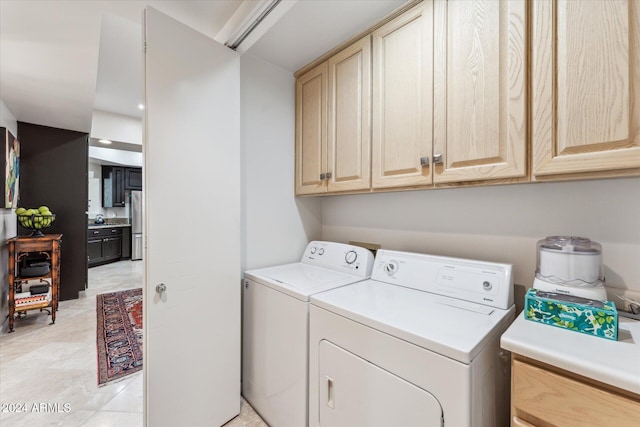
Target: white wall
x=7, y=120
x=499, y=223
x=116, y=127
x=114, y=156
x=8, y=227
x=276, y=225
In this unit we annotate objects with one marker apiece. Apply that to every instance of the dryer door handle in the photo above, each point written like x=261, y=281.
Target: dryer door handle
x=330, y=395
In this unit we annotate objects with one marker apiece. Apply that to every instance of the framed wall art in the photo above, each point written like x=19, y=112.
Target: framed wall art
x=10, y=174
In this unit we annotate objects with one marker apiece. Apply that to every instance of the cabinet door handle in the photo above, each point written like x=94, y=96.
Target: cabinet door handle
x=322, y=176
x=96, y=232
x=424, y=161
x=329, y=175
x=437, y=159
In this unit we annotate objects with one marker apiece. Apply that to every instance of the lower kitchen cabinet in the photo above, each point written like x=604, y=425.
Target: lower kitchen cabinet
x=543, y=395
x=106, y=245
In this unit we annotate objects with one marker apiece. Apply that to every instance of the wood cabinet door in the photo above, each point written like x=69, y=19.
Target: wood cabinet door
x=585, y=86
x=479, y=90
x=94, y=251
x=349, y=118
x=311, y=131
x=403, y=99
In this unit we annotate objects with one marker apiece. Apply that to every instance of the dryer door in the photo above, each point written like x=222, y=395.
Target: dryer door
x=354, y=392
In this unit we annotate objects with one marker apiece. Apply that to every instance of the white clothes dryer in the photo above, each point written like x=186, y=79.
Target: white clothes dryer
x=275, y=326
x=416, y=345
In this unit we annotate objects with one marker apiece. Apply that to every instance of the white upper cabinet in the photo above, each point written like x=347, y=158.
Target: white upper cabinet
x=585, y=87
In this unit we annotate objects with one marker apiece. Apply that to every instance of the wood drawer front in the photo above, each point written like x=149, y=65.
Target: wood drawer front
x=546, y=398
x=34, y=245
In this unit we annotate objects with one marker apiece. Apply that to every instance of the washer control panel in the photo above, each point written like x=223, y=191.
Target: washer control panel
x=340, y=257
x=470, y=280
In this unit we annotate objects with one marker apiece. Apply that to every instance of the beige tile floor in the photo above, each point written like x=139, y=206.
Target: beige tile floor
x=48, y=372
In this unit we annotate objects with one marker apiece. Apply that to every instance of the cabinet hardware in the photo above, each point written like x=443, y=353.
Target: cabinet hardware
x=161, y=288
x=329, y=175
x=322, y=176
x=424, y=161
x=437, y=159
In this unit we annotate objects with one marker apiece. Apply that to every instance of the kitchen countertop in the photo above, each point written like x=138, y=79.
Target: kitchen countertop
x=94, y=226
x=616, y=363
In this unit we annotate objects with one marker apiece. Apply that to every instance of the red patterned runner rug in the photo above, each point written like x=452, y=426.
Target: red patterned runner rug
x=119, y=333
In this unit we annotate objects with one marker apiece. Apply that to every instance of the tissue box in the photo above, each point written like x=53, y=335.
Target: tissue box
x=580, y=317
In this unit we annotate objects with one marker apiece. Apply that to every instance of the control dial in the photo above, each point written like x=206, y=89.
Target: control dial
x=350, y=257
x=313, y=250
x=391, y=267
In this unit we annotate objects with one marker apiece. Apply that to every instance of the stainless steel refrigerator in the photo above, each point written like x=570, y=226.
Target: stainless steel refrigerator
x=137, y=217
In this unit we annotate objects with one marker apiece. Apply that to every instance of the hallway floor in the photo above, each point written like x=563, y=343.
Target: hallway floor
x=48, y=372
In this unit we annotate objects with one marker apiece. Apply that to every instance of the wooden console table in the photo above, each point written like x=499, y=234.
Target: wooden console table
x=47, y=246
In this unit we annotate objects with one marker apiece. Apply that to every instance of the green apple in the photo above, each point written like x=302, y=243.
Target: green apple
x=20, y=211
x=43, y=209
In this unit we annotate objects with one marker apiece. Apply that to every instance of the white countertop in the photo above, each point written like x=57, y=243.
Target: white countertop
x=612, y=362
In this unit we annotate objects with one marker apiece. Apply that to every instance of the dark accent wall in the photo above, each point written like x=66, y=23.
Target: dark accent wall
x=53, y=172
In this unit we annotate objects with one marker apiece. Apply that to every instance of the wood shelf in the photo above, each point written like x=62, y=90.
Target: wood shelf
x=19, y=247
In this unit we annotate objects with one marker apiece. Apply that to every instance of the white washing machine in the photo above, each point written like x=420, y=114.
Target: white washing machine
x=275, y=328
x=416, y=345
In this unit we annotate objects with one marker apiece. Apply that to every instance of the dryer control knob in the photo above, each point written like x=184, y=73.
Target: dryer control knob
x=487, y=285
x=320, y=251
x=313, y=250
x=391, y=268
x=350, y=257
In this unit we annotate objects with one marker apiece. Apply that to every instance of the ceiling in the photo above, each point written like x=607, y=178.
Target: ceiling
x=61, y=60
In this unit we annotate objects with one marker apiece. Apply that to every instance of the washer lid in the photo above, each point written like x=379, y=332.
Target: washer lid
x=451, y=327
x=300, y=280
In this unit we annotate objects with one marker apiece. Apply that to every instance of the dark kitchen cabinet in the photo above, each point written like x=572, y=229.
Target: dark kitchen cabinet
x=105, y=245
x=126, y=243
x=113, y=186
x=94, y=250
x=133, y=179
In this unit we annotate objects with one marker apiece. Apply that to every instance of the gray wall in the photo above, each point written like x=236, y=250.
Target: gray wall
x=499, y=223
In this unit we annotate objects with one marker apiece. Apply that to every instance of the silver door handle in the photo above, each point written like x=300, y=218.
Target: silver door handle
x=437, y=159
x=424, y=161
x=329, y=175
x=161, y=288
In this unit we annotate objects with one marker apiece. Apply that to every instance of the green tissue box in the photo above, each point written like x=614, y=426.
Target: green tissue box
x=573, y=313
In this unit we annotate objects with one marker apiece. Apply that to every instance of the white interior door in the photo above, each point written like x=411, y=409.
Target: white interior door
x=192, y=227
